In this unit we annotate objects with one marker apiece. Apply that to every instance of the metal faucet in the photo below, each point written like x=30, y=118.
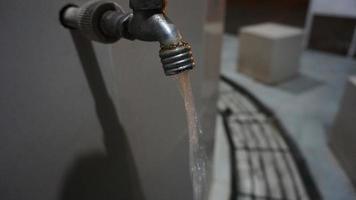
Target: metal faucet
x=106, y=22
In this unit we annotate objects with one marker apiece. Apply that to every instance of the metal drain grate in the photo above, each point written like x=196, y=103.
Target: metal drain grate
x=265, y=165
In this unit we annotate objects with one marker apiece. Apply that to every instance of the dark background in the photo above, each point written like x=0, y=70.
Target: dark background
x=330, y=34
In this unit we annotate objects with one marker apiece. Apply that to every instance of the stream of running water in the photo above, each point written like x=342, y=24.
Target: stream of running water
x=197, y=153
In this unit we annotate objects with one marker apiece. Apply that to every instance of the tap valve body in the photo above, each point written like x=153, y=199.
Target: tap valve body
x=106, y=22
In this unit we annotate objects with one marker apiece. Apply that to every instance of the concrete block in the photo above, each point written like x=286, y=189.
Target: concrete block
x=270, y=52
x=343, y=134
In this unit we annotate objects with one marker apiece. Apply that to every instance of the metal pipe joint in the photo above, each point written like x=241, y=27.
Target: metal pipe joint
x=106, y=22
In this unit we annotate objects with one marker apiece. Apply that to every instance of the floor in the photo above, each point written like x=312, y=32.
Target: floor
x=306, y=106
x=266, y=164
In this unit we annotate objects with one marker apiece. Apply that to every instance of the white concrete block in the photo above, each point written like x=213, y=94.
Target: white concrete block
x=270, y=52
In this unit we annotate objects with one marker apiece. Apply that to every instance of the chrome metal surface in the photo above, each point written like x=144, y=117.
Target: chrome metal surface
x=106, y=22
x=177, y=59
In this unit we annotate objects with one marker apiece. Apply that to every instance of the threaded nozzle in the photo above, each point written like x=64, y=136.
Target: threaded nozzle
x=176, y=58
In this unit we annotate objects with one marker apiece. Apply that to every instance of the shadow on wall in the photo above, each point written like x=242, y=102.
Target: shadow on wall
x=99, y=176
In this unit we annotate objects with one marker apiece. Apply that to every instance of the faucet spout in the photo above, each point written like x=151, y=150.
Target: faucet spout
x=106, y=22
x=154, y=25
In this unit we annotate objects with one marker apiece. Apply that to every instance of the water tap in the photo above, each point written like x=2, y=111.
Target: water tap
x=106, y=22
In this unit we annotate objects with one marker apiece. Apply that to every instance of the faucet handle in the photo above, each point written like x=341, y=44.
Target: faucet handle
x=88, y=19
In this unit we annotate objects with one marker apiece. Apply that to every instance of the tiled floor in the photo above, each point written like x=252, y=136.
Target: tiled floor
x=306, y=106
